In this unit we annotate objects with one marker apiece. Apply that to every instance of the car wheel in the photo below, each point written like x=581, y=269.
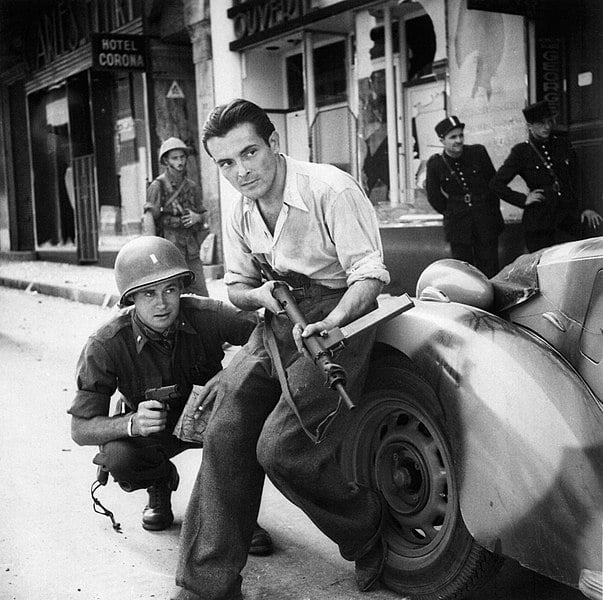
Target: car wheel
x=398, y=445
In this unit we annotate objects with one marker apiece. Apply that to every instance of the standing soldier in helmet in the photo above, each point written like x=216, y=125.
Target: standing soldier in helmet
x=174, y=210
x=158, y=339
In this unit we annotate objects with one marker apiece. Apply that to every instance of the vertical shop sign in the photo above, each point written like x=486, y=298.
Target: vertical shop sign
x=550, y=72
x=113, y=52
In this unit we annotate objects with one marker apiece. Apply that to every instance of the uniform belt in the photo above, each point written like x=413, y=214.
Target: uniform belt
x=465, y=199
x=171, y=221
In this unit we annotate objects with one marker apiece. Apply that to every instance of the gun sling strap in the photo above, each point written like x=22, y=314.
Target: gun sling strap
x=547, y=165
x=271, y=342
x=173, y=197
x=455, y=175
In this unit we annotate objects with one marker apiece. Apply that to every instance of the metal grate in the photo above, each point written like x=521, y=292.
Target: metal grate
x=86, y=208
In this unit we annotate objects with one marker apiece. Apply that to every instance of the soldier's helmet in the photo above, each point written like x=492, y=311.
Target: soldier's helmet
x=172, y=143
x=145, y=261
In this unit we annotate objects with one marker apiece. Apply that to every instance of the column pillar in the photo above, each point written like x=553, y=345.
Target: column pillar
x=200, y=35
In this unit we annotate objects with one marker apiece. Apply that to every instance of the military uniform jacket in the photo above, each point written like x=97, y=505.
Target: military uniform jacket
x=464, y=198
x=119, y=356
x=560, y=208
x=168, y=218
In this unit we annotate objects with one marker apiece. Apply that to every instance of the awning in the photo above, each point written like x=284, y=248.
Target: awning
x=530, y=8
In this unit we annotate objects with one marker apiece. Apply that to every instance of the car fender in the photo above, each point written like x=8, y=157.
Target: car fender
x=526, y=434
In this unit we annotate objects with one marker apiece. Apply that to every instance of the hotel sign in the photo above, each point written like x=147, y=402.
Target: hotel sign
x=113, y=52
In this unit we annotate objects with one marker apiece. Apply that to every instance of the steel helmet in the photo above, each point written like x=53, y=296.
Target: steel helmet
x=172, y=143
x=457, y=281
x=147, y=260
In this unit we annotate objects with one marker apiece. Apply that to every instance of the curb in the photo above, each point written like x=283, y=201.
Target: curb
x=62, y=291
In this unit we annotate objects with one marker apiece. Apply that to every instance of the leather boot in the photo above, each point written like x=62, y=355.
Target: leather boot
x=261, y=542
x=369, y=566
x=157, y=514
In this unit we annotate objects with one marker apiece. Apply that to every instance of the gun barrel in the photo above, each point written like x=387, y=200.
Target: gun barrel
x=343, y=394
x=164, y=393
x=336, y=378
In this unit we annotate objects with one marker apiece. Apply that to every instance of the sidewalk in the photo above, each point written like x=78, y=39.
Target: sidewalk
x=80, y=283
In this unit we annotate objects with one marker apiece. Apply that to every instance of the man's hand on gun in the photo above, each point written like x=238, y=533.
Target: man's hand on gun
x=151, y=414
x=151, y=417
x=263, y=296
x=300, y=333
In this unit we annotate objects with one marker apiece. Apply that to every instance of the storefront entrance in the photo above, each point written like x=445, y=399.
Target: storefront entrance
x=88, y=149
x=361, y=91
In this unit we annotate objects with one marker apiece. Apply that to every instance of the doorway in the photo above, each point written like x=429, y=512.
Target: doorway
x=51, y=157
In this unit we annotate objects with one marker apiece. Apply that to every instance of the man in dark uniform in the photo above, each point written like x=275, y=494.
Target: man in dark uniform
x=174, y=210
x=552, y=212
x=457, y=187
x=159, y=339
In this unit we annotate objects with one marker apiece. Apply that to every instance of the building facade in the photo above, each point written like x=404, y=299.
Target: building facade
x=89, y=90
x=361, y=85
x=356, y=83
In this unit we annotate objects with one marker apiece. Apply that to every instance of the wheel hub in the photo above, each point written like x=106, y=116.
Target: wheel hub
x=402, y=476
x=409, y=472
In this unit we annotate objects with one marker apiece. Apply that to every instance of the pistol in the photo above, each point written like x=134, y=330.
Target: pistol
x=163, y=394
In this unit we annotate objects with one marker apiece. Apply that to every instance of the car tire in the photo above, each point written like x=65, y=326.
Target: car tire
x=398, y=445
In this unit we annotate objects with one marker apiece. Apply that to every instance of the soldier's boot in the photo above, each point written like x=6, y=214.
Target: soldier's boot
x=157, y=514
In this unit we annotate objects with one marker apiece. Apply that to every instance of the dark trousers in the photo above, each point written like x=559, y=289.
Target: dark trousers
x=537, y=240
x=480, y=253
x=137, y=463
x=252, y=430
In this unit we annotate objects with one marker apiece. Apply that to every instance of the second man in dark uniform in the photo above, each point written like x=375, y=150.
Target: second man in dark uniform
x=457, y=187
x=552, y=212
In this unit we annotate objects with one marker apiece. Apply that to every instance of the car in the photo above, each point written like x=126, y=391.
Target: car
x=482, y=425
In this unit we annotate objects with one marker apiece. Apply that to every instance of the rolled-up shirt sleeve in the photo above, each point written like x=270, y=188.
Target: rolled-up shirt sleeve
x=95, y=380
x=353, y=224
x=154, y=196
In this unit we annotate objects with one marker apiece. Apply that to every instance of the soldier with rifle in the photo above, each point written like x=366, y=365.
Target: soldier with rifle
x=312, y=227
x=174, y=210
x=152, y=352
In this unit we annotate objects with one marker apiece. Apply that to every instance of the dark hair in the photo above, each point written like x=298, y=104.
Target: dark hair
x=226, y=117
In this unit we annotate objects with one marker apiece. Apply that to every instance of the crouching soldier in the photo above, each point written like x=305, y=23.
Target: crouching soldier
x=158, y=339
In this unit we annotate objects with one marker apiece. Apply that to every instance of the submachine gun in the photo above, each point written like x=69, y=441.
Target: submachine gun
x=323, y=346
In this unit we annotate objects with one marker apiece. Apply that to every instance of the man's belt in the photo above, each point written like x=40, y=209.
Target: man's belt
x=171, y=221
x=302, y=287
x=174, y=222
x=468, y=199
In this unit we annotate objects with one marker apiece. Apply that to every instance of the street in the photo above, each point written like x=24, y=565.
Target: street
x=52, y=543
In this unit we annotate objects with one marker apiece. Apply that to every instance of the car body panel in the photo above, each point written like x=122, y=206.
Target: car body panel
x=526, y=432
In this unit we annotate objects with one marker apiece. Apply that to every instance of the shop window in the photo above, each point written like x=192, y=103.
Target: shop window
x=420, y=44
x=329, y=75
x=396, y=184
